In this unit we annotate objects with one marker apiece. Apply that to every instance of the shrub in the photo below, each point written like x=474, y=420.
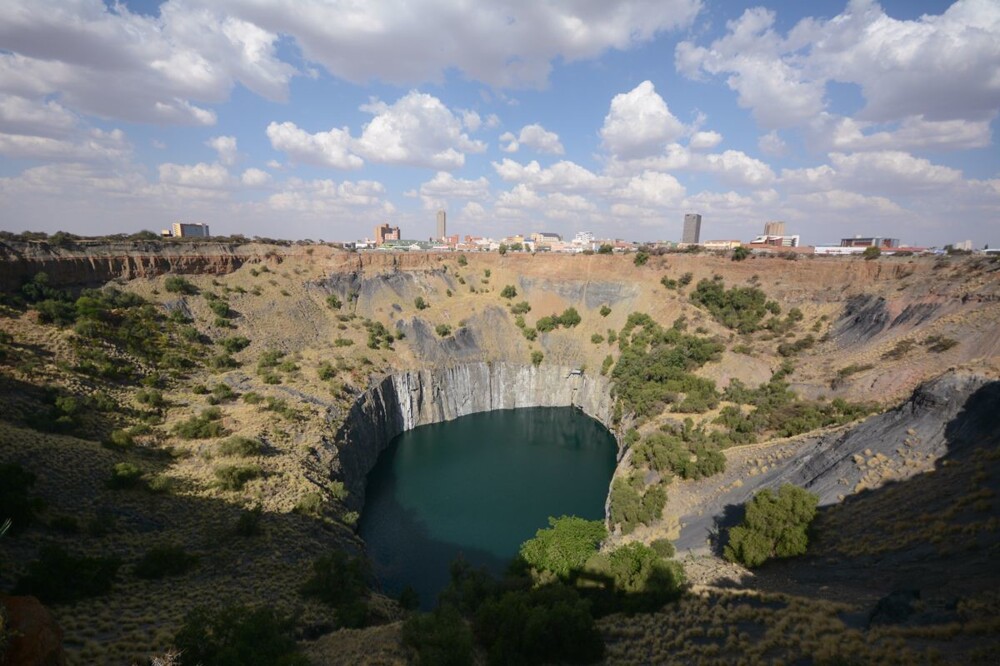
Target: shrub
x=546, y=324
x=664, y=548
x=605, y=310
x=550, y=624
x=597, y=338
x=569, y=318
x=643, y=579
x=776, y=525
x=872, y=252
x=444, y=330
x=163, y=561
x=334, y=302
x=640, y=258
x=901, y=349
x=740, y=253
x=339, y=581
x=630, y=508
x=441, y=638
x=792, y=348
x=537, y=357
x=939, y=343
x=462, y=261
x=530, y=334
x=234, y=477
x=57, y=577
x=565, y=546
x=150, y=397
x=420, y=303
x=234, y=344
x=238, y=636
x=508, y=292
x=325, y=371
x=206, y=425
x=343, y=342
x=178, y=285
x=605, y=248
x=239, y=447
x=606, y=365
x=248, y=524
x=520, y=308
x=125, y=475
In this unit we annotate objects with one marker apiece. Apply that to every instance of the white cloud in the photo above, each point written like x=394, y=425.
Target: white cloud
x=95, y=145
x=112, y=63
x=639, y=123
x=705, y=140
x=255, y=178
x=935, y=68
x=563, y=176
x=225, y=146
x=504, y=43
x=331, y=148
x=830, y=132
x=509, y=143
x=417, y=130
x=32, y=117
x=327, y=197
x=537, y=137
x=197, y=176
x=443, y=187
x=737, y=167
x=652, y=188
x=772, y=144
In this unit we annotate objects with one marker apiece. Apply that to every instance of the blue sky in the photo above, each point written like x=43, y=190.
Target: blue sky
x=322, y=118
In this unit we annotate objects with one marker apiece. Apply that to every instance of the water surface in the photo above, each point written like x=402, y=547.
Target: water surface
x=479, y=486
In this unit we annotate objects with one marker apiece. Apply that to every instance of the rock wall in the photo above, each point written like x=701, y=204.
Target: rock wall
x=406, y=400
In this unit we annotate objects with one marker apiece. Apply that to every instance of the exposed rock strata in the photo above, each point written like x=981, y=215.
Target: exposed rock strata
x=406, y=400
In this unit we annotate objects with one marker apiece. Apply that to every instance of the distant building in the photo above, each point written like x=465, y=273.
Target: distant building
x=776, y=241
x=384, y=233
x=189, y=230
x=870, y=241
x=721, y=244
x=541, y=237
x=692, y=228
x=964, y=245
x=584, y=237
x=442, y=227
x=774, y=228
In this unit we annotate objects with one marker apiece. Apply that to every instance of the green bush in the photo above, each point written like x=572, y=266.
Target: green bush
x=339, y=581
x=248, y=524
x=605, y=310
x=640, y=258
x=325, y=371
x=164, y=561
x=441, y=638
x=238, y=636
x=125, y=475
x=738, y=308
x=939, y=343
x=57, y=577
x=508, y=292
x=606, y=364
x=234, y=343
x=643, y=579
x=605, y=248
x=536, y=358
x=565, y=546
x=206, y=425
x=630, y=508
x=872, y=252
x=444, y=330
x=234, y=477
x=462, y=261
x=420, y=303
x=520, y=308
x=550, y=624
x=239, y=447
x=178, y=285
x=664, y=548
x=776, y=525
x=343, y=342
x=569, y=318
x=334, y=302
x=597, y=338
x=150, y=397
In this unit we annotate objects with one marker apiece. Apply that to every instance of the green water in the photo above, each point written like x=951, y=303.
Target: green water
x=479, y=486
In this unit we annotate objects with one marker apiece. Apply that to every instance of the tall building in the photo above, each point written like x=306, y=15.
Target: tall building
x=442, y=226
x=183, y=230
x=384, y=233
x=774, y=228
x=692, y=228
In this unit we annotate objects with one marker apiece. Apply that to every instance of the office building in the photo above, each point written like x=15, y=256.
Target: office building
x=384, y=233
x=774, y=228
x=692, y=228
x=442, y=229
x=182, y=230
x=870, y=241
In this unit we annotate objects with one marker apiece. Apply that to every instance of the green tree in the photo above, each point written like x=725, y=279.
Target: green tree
x=606, y=248
x=441, y=638
x=502, y=249
x=872, y=252
x=238, y=636
x=565, y=546
x=537, y=357
x=776, y=525
x=420, y=304
x=740, y=253
x=641, y=258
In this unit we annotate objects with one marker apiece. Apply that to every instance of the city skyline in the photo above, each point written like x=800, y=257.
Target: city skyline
x=838, y=118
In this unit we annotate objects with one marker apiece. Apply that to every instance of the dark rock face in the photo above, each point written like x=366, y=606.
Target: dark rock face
x=593, y=294
x=36, y=639
x=863, y=318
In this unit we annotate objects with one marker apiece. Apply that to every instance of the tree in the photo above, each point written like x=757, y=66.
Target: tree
x=641, y=258
x=565, y=546
x=509, y=291
x=606, y=248
x=420, y=303
x=502, y=249
x=740, y=253
x=537, y=357
x=776, y=525
x=872, y=252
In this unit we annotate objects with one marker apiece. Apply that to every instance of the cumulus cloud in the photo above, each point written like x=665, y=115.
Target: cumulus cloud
x=198, y=176
x=92, y=145
x=772, y=144
x=639, y=123
x=255, y=178
x=832, y=132
x=109, y=62
x=504, y=43
x=331, y=148
x=532, y=136
x=416, y=130
x=920, y=72
x=704, y=140
x=564, y=175
x=225, y=146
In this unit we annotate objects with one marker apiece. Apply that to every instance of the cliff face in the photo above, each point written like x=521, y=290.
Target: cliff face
x=406, y=400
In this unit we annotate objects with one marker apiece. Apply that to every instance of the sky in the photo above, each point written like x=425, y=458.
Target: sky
x=322, y=118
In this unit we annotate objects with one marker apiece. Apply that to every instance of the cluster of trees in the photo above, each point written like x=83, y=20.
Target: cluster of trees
x=544, y=610
x=739, y=308
x=687, y=452
x=568, y=319
x=633, y=504
x=656, y=366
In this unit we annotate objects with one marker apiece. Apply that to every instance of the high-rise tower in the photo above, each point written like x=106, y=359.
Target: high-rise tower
x=774, y=228
x=442, y=230
x=692, y=228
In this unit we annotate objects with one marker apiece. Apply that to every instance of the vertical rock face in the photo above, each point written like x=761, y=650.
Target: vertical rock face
x=406, y=400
